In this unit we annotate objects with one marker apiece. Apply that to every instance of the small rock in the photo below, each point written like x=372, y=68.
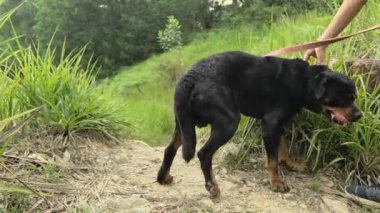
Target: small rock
x=253, y=160
x=302, y=205
x=66, y=156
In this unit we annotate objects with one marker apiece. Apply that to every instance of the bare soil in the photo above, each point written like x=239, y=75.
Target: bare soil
x=135, y=168
x=122, y=178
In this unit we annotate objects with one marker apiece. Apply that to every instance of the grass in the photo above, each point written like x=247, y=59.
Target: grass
x=73, y=102
x=147, y=88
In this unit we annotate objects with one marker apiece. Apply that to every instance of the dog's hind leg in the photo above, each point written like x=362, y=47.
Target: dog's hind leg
x=163, y=176
x=222, y=130
x=284, y=158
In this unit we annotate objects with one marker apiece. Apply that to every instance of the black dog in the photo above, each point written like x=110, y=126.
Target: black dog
x=217, y=89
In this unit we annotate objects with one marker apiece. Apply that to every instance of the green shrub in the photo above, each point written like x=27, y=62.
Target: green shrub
x=171, y=36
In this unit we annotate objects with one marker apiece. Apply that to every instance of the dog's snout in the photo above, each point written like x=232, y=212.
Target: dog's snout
x=357, y=115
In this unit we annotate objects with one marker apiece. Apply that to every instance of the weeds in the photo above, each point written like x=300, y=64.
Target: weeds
x=14, y=202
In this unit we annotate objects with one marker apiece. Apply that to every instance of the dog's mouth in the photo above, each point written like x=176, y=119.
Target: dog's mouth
x=337, y=117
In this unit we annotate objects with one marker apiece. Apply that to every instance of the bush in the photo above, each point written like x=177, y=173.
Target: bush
x=261, y=12
x=171, y=36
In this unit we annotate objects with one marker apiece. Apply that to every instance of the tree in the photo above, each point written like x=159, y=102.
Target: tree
x=116, y=33
x=171, y=36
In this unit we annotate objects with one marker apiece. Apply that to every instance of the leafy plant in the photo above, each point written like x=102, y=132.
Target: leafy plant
x=171, y=36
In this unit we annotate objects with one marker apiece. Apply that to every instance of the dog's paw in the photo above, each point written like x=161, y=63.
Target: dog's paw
x=279, y=186
x=165, y=181
x=213, y=188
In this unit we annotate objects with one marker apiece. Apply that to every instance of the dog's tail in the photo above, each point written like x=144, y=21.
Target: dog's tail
x=184, y=118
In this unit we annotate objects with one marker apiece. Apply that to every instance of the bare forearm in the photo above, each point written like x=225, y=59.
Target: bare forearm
x=347, y=11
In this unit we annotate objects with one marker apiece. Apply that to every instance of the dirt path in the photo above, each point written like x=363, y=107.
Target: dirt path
x=132, y=171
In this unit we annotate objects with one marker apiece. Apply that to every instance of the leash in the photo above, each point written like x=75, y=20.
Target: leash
x=315, y=44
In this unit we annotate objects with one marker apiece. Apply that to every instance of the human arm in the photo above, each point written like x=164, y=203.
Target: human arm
x=347, y=11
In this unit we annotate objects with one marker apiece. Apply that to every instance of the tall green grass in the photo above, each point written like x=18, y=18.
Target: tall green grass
x=32, y=77
x=74, y=103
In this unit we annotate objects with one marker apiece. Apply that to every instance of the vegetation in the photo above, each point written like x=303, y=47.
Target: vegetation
x=73, y=103
x=171, y=36
x=117, y=33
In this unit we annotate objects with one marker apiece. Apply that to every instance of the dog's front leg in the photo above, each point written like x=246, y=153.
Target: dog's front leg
x=272, y=129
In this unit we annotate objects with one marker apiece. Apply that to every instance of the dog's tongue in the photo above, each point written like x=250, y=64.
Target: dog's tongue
x=336, y=116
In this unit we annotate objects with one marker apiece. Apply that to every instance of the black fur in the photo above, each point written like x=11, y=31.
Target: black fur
x=217, y=89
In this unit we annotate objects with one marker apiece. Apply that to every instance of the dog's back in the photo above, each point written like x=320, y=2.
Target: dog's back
x=252, y=80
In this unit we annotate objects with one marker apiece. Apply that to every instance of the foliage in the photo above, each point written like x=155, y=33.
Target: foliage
x=32, y=77
x=171, y=36
x=260, y=12
x=15, y=201
x=116, y=33
x=68, y=91
x=23, y=19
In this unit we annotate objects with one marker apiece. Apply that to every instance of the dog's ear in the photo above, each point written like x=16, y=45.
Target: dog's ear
x=318, y=85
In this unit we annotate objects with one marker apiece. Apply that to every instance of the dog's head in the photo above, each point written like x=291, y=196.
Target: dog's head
x=335, y=93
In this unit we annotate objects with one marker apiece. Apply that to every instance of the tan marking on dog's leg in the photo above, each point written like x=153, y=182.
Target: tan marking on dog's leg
x=276, y=183
x=283, y=157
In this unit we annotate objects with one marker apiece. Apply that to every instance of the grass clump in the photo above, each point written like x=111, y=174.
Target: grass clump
x=74, y=103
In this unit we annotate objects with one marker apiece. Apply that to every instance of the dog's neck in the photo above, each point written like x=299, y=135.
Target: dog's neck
x=312, y=103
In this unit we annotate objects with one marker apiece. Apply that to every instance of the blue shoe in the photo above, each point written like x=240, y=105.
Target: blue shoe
x=367, y=195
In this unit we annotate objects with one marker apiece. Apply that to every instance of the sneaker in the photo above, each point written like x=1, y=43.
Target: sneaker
x=367, y=195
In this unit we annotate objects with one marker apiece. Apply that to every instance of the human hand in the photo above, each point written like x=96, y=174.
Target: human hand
x=318, y=53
